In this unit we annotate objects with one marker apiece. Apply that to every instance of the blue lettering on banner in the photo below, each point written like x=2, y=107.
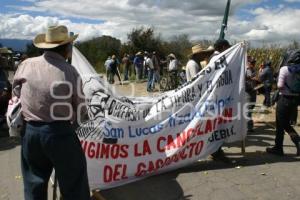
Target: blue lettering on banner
x=113, y=132
x=138, y=132
x=217, y=106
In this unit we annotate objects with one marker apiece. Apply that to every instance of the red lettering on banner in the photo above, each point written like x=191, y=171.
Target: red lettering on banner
x=185, y=136
x=91, y=150
x=83, y=144
x=100, y=150
x=192, y=146
x=105, y=151
x=140, y=171
x=208, y=127
x=181, y=139
x=228, y=114
x=199, y=147
x=117, y=173
x=115, y=151
x=198, y=128
x=190, y=150
x=171, y=144
x=142, y=151
x=160, y=149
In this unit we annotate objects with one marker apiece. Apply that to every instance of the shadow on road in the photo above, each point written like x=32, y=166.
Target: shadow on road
x=165, y=186
x=7, y=143
x=162, y=187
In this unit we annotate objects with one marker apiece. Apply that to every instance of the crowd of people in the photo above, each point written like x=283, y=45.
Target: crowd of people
x=48, y=143
x=144, y=65
x=259, y=79
x=286, y=96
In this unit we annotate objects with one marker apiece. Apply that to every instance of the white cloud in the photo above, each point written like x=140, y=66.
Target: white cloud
x=199, y=19
x=280, y=26
x=26, y=26
x=292, y=1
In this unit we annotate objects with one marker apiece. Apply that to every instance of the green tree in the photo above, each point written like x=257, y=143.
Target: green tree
x=179, y=45
x=98, y=49
x=143, y=39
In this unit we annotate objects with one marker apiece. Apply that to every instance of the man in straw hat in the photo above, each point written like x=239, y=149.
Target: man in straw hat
x=173, y=70
x=50, y=96
x=193, y=66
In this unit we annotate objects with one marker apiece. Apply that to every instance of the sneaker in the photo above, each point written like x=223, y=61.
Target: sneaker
x=275, y=151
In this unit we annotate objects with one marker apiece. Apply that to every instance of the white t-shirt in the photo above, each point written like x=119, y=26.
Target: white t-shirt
x=285, y=80
x=173, y=65
x=149, y=63
x=192, y=69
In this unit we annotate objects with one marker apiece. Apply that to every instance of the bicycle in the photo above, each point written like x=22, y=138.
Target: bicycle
x=171, y=81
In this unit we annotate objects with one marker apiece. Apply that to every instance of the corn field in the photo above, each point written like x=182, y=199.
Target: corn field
x=274, y=53
x=264, y=54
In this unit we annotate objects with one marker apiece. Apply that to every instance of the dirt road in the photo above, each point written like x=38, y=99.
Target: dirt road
x=256, y=175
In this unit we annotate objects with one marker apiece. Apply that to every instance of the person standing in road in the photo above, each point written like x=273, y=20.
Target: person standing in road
x=150, y=67
x=250, y=90
x=193, y=66
x=114, y=70
x=266, y=77
x=289, y=98
x=220, y=46
x=107, y=67
x=49, y=89
x=156, y=64
x=126, y=66
x=138, y=65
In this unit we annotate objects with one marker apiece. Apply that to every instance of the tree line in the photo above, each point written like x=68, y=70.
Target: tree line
x=142, y=39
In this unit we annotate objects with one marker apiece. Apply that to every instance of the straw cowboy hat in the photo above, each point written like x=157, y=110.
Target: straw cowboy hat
x=5, y=50
x=139, y=53
x=54, y=37
x=172, y=56
x=197, y=49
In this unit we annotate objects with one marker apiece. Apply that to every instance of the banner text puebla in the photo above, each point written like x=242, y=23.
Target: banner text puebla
x=127, y=139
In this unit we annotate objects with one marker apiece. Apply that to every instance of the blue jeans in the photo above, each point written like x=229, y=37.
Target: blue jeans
x=53, y=145
x=251, y=98
x=156, y=76
x=139, y=73
x=126, y=72
x=267, y=94
x=284, y=109
x=150, y=84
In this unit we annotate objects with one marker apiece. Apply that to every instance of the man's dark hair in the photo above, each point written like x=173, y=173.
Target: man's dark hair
x=294, y=58
x=60, y=49
x=268, y=63
x=221, y=44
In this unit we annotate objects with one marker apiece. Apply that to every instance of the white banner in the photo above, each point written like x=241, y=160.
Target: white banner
x=127, y=139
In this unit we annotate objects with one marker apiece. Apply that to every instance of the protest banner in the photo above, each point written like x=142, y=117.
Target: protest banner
x=126, y=139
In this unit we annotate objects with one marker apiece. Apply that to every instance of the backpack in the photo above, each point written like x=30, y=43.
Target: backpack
x=14, y=117
x=293, y=63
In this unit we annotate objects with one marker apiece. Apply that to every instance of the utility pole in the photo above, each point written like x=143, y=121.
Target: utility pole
x=225, y=20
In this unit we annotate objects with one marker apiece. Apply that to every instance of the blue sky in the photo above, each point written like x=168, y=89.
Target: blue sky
x=258, y=20
x=13, y=6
